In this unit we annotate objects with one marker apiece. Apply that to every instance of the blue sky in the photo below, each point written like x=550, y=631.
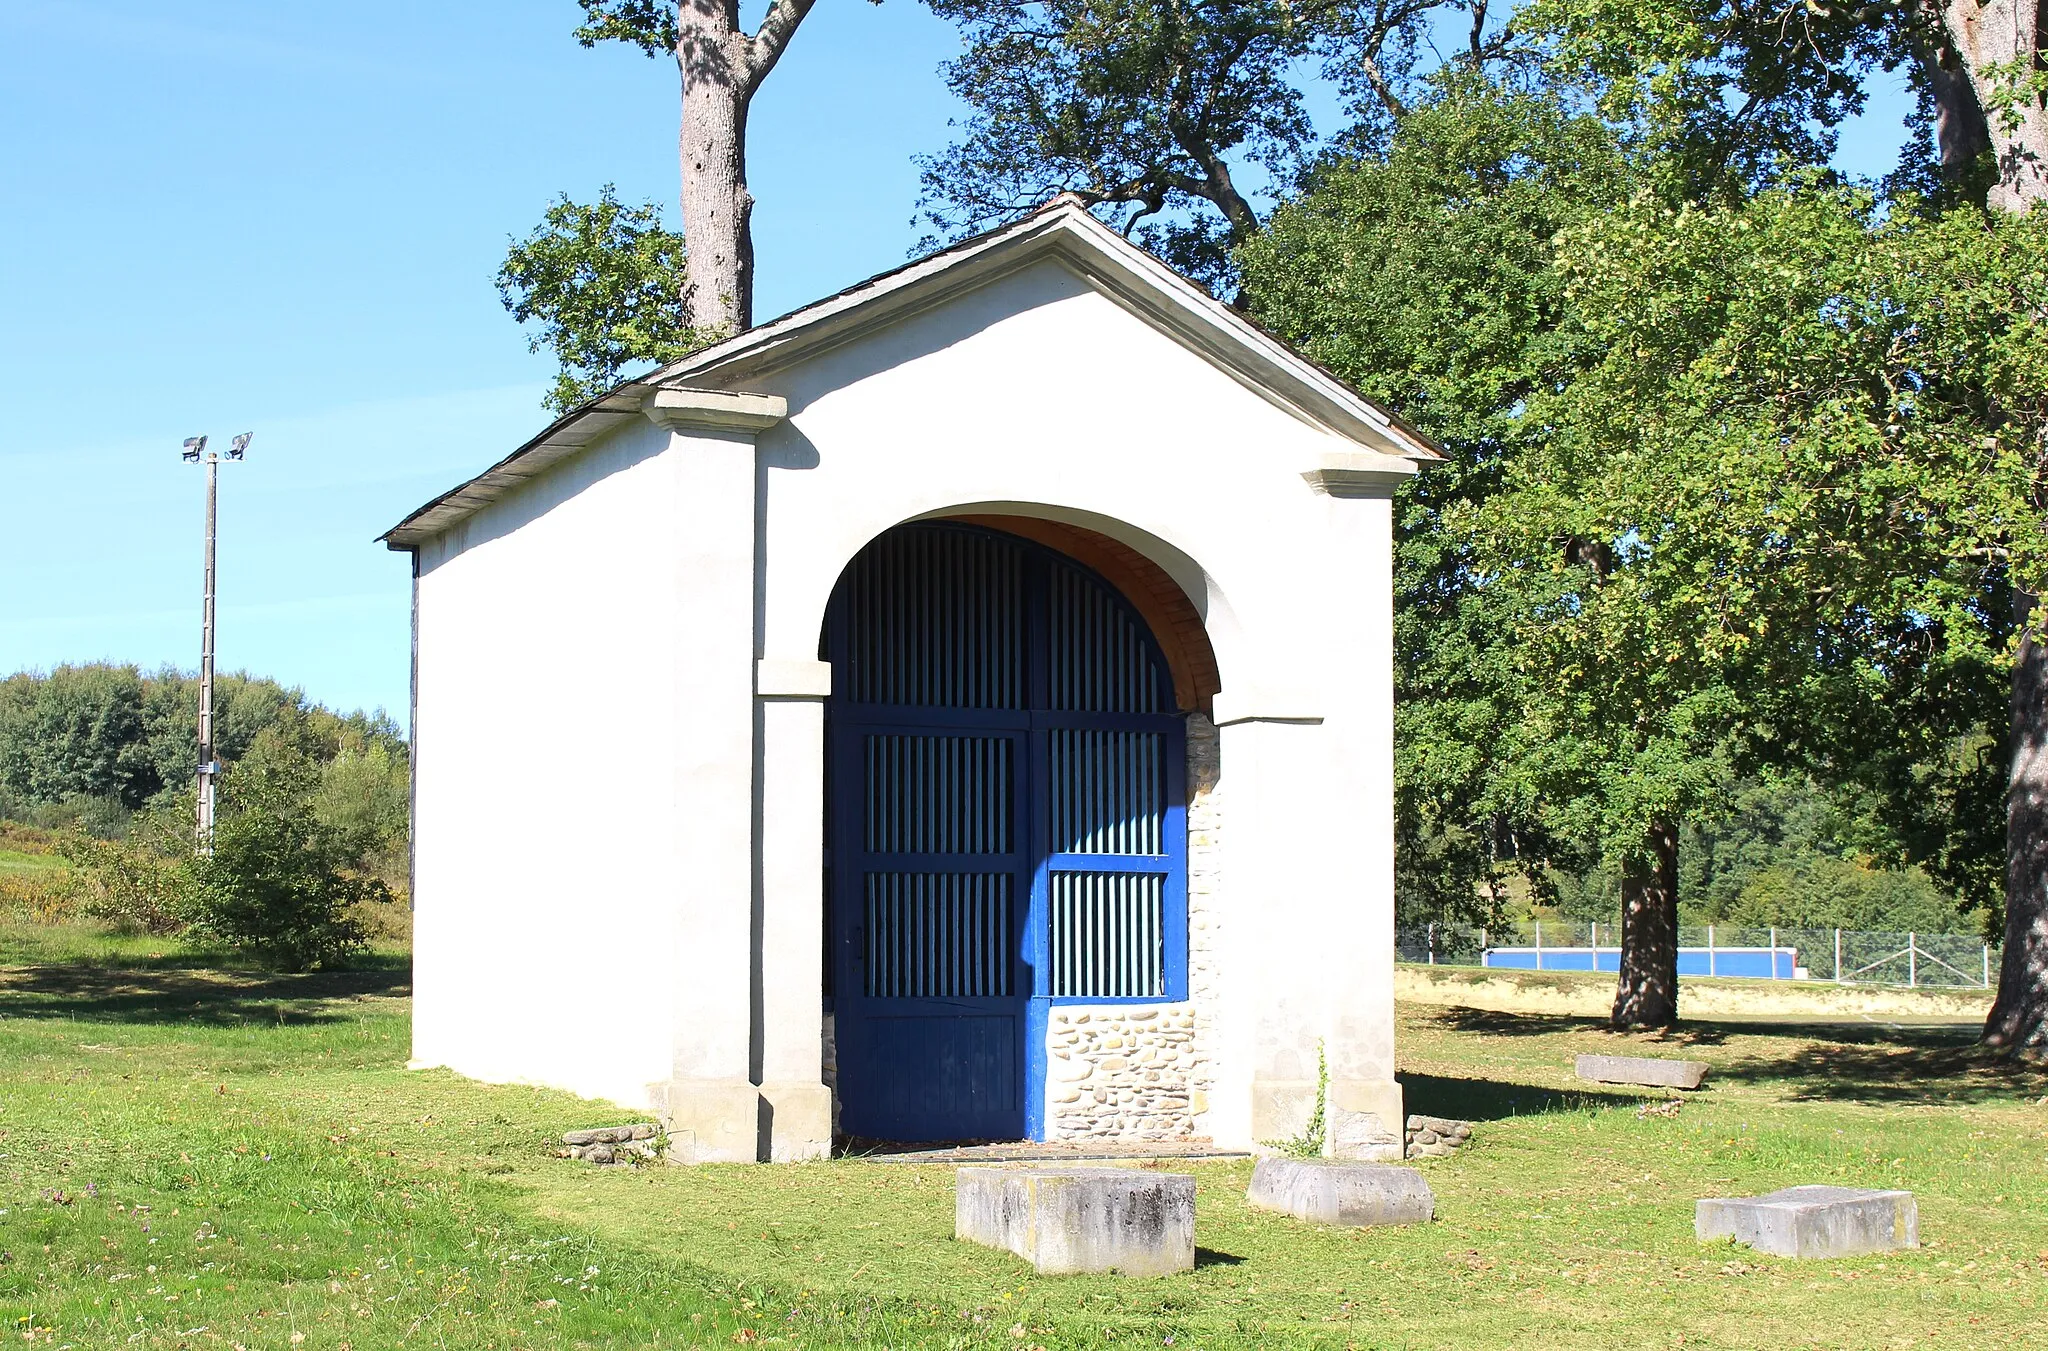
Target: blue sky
x=233, y=216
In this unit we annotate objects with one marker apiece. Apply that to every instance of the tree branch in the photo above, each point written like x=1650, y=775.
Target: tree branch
x=1216, y=184
x=765, y=48
x=1377, y=79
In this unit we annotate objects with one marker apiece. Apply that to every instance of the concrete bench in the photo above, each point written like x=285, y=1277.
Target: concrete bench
x=1813, y=1221
x=1337, y=1191
x=1068, y=1221
x=1643, y=1071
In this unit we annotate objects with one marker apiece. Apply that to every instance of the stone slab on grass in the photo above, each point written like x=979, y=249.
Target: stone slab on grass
x=1338, y=1191
x=1813, y=1221
x=1069, y=1221
x=1645, y=1071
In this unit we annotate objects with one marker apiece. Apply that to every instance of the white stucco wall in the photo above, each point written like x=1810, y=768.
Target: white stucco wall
x=545, y=830
x=563, y=877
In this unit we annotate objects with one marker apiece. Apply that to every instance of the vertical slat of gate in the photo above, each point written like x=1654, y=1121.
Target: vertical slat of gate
x=1108, y=934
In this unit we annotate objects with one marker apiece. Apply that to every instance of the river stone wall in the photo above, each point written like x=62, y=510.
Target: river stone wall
x=1140, y=1072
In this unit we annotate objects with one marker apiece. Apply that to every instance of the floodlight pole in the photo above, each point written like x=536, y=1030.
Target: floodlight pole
x=209, y=767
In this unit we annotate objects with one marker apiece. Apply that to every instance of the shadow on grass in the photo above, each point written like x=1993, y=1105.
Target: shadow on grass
x=1913, y=1065
x=1702, y=1032
x=1497, y=1100
x=190, y=994
x=1866, y=1062
x=1209, y=1257
x=1692, y=1032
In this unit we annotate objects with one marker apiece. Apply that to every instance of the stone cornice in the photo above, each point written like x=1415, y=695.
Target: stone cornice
x=714, y=409
x=1353, y=475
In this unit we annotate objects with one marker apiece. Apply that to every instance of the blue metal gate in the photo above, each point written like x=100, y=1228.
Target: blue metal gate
x=1005, y=769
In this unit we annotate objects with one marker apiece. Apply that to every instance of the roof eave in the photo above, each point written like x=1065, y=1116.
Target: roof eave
x=561, y=438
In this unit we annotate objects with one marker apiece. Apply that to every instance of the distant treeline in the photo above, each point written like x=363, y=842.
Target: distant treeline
x=87, y=746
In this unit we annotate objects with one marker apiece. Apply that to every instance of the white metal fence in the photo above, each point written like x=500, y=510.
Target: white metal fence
x=1844, y=956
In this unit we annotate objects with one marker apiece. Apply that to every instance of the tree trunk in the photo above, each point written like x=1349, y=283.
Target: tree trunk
x=2000, y=43
x=1960, y=132
x=718, y=296
x=1647, y=994
x=2018, y=1023
x=721, y=68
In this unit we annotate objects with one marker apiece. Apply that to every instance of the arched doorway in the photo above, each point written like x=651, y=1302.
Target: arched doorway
x=1005, y=785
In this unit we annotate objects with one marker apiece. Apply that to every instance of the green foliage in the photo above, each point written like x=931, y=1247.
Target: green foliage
x=82, y=747
x=36, y=883
x=1732, y=489
x=1777, y=509
x=280, y=882
x=1837, y=893
x=140, y=884
x=604, y=283
x=77, y=732
x=649, y=25
x=365, y=792
x=1787, y=852
x=1718, y=98
x=1424, y=275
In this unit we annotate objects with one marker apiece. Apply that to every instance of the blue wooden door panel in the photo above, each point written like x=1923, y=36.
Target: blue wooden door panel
x=945, y=1071
x=1006, y=775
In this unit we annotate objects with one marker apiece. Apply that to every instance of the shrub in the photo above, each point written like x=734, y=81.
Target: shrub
x=45, y=896
x=140, y=883
x=1838, y=893
x=280, y=882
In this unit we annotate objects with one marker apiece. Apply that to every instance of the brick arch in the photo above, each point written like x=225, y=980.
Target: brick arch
x=1177, y=625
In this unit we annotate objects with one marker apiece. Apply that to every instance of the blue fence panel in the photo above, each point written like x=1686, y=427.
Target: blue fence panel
x=1759, y=963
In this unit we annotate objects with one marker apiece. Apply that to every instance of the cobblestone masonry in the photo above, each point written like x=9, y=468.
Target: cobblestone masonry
x=1140, y=1071
x=1434, y=1137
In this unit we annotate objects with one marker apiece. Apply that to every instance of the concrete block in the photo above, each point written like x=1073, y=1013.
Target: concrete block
x=1362, y=1120
x=1643, y=1070
x=1067, y=1221
x=1339, y=1191
x=710, y=1120
x=1813, y=1221
x=799, y=1120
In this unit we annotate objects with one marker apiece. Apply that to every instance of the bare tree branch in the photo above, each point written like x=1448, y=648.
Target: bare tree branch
x=765, y=48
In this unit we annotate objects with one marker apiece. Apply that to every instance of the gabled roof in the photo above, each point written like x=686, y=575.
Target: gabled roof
x=1062, y=228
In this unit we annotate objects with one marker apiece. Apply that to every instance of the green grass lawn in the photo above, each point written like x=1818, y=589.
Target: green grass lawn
x=196, y=1157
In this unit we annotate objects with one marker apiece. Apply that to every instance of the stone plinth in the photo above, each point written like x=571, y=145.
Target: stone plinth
x=1067, y=1221
x=1813, y=1221
x=1339, y=1191
x=1642, y=1070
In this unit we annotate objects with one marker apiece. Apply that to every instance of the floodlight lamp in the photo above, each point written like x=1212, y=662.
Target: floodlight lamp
x=238, y=445
x=193, y=446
